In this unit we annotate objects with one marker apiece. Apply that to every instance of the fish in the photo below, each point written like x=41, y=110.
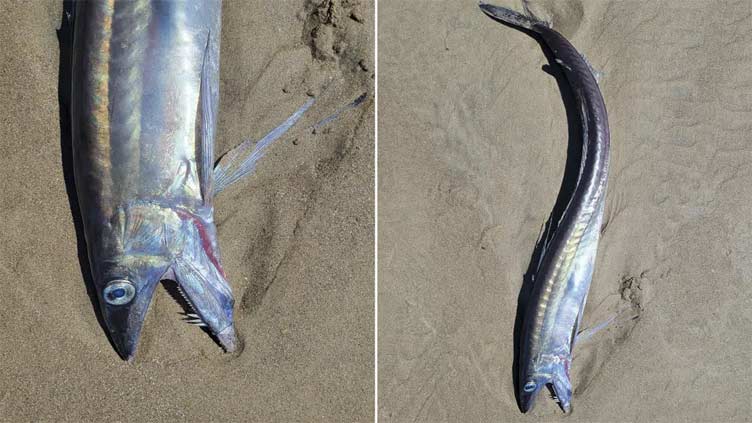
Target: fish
x=144, y=103
x=553, y=315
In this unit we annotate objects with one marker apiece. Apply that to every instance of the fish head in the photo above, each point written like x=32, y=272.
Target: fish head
x=550, y=371
x=125, y=291
x=149, y=244
x=528, y=391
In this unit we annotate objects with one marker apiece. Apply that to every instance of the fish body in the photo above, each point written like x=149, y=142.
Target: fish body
x=144, y=102
x=561, y=283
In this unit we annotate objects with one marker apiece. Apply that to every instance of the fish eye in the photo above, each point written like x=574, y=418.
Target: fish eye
x=119, y=292
x=529, y=386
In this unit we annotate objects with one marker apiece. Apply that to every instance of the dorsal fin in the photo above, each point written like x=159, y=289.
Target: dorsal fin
x=207, y=112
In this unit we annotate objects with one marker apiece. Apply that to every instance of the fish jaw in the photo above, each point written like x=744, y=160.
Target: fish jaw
x=563, y=390
x=529, y=389
x=228, y=338
x=208, y=294
x=124, y=321
x=147, y=243
x=548, y=370
x=199, y=274
x=124, y=325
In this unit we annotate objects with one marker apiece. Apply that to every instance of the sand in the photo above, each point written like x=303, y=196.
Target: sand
x=296, y=238
x=472, y=151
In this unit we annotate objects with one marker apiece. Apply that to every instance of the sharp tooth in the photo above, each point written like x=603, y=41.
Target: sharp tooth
x=194, y=315
x=185, y=297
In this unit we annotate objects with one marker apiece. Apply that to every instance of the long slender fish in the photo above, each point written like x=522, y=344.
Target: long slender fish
x=145, y=84
x=562, y=280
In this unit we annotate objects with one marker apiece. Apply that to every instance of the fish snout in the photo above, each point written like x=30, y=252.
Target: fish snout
x=228, y=339
x=125, y=321
x=125, y=345
x=528, y=392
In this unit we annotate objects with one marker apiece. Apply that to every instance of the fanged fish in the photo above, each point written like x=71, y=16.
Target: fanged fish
x=562, y=280
x=145, y=83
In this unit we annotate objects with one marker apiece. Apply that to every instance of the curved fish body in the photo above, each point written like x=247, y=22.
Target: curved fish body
x=562, y=280
x=144, y=102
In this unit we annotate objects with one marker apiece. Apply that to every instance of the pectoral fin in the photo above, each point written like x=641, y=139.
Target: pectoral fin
x=241, y=160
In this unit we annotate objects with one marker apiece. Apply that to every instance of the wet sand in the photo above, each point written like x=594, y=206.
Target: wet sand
x=473, y=142
x=296, y=238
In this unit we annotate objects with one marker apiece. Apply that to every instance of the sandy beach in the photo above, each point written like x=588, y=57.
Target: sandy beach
x=473, y=142
x=296, y=237
x=474, y=152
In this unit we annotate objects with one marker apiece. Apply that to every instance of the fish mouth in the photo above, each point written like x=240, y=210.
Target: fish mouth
x=125, y=322
x=226, y=338
x=560, y=390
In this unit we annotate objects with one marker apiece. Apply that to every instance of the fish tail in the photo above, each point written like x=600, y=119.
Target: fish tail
x=509, y=16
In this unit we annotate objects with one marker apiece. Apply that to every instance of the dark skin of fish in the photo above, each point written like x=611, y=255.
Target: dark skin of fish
x=562, y=280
